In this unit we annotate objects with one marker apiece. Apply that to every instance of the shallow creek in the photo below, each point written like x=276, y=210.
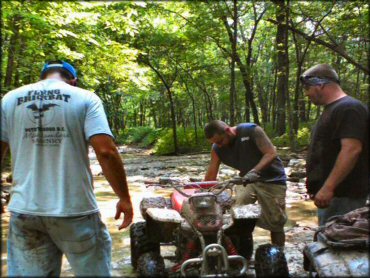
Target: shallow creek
x=141, y=167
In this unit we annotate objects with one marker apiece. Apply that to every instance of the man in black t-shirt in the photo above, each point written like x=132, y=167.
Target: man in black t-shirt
x=337, y=161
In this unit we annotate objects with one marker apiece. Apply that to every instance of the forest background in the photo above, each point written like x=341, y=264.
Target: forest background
x=163, y=69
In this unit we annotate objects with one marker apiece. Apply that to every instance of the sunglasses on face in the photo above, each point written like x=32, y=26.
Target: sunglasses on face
x=315, y=80
x=305, y=78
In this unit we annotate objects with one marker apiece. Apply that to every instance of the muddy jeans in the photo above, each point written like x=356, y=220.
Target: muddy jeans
x=36, y=245
x=339, y=206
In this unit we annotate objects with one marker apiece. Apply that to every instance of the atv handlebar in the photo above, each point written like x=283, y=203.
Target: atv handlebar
x=212, y=185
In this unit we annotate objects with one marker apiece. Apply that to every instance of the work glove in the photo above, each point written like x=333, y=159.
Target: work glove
x=237, y=180
x=250, y=177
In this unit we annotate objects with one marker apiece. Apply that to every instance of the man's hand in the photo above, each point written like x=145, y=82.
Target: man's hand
x=323, y=197
x=237, y=180
x=251, y=176
x=125, y=207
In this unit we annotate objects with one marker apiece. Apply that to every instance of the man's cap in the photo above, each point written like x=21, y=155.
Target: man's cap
x=320, y=74
x=64, y=66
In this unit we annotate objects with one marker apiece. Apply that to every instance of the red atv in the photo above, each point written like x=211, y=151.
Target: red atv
x=212, y=237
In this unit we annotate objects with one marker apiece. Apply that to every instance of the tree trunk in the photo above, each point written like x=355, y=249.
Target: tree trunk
x=249, y=102
x=232, y=68
x=172, y=105
x=141, y=113
x=263, y=103
x=173, y=119
x=232, y=93
x=193, y=110
x=154, y=115
x=282, y=65
x=208, y=103
x=11, y=52
x=273, y=100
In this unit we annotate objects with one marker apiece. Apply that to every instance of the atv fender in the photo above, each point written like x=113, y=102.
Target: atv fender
x=251, y=211
x=164, y=215
x=151, y=202
x=161, y=224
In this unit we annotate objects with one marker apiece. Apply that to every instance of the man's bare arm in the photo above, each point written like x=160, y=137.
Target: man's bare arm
x=346, y=160
x=113, y=170
x=213, y=167
x=266, y=147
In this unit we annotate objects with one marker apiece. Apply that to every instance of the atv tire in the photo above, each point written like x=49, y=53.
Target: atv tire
x=270, y=262
x=151, y=264
x=243, y=244
x=140, y=242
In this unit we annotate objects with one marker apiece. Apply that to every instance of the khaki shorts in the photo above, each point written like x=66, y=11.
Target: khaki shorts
x=271, y=198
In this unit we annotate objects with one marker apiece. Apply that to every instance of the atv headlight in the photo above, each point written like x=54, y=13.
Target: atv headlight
x=203, y=202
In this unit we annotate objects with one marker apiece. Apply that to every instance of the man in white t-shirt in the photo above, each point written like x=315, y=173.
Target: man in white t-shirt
x=48, y=126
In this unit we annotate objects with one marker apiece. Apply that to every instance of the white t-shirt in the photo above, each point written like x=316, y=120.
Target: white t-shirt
x=47, y=126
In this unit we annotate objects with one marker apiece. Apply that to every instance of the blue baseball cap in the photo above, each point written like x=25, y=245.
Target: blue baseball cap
x=64, y=66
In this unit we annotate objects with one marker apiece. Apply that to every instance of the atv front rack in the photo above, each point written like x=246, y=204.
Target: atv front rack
x=223, y=262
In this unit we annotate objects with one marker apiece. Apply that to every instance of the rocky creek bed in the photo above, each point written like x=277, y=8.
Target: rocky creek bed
x=141, y=167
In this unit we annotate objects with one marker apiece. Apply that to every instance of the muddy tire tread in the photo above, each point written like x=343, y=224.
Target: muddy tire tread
x=140, y=242
x=151, y=264
x=270, y=261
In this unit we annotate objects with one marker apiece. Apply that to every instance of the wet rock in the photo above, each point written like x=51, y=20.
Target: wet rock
x=296, y=170
x=293, y=179
x=298, y=174
x=182, y=169
x=295, y=163
x=169, y=180
x=288, y=171
x=228, y=172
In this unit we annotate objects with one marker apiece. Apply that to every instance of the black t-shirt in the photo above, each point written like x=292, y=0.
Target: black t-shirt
x=243, y=154
x=344, y=118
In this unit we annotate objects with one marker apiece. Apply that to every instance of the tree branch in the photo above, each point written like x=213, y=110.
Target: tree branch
x=337, y=49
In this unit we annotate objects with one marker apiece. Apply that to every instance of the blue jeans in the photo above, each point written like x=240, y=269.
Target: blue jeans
x=339, y=206
x=36, y=245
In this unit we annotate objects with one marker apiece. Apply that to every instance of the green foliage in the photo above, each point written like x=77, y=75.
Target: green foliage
x=269, y=130
x=134, y=135
x=151, y=137
x=186, y=141
x=303, y=137
x=281, y=141
x=187, y=44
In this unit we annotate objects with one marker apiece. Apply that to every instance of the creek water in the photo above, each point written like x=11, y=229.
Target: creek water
x=141, y=167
